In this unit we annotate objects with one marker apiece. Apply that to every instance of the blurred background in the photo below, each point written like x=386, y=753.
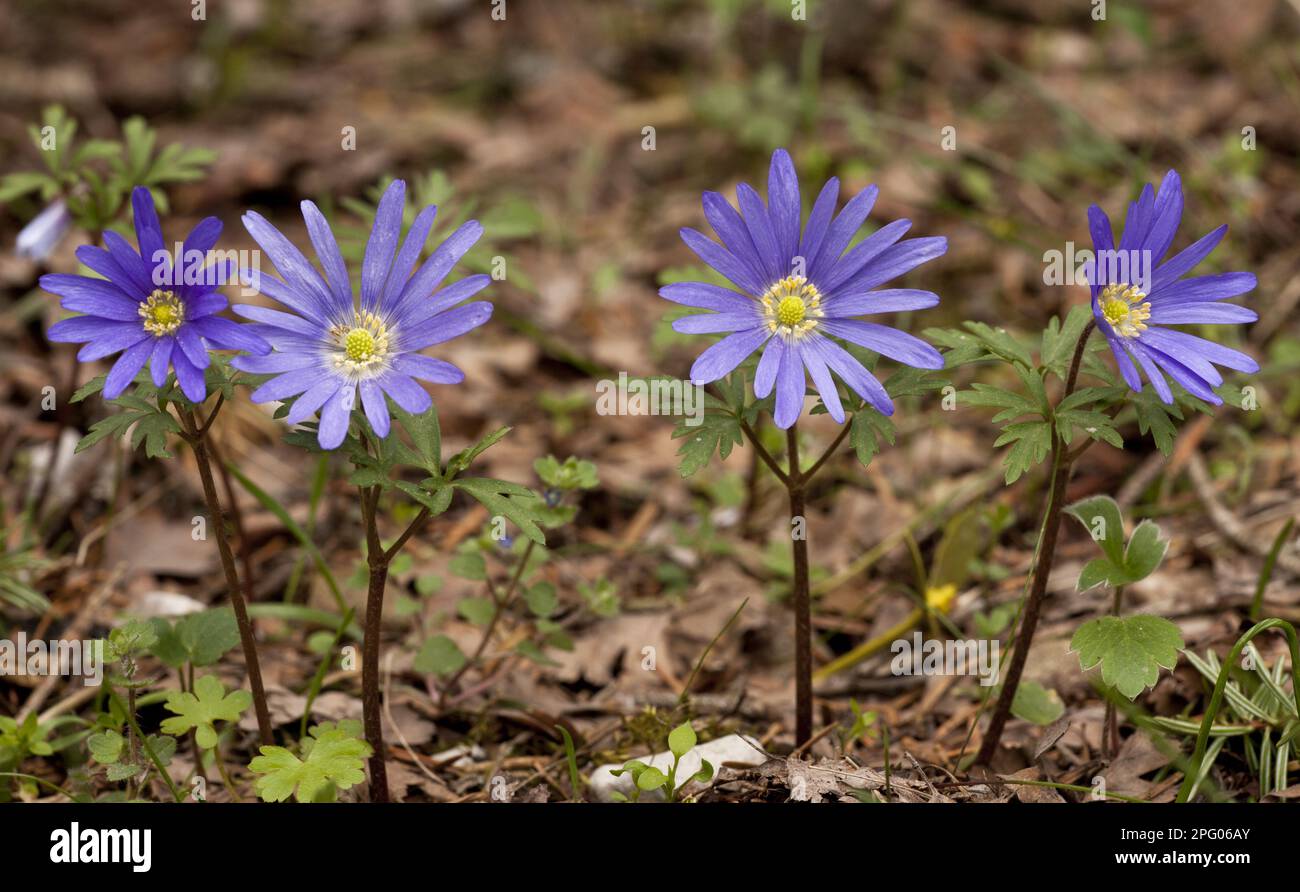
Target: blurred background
x=994, y=124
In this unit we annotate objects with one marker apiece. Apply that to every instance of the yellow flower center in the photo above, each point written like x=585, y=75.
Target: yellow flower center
x=362, y=346
x=162, y=313
x=359, y=345
x=790, y=311
x=791, y=307
x=1126, y=309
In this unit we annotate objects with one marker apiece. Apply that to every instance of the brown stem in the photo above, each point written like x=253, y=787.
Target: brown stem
x=370, y=707
x=244, y=550
x=763, y=453
x=1024, y=636
x=239, y=595
x=802, y=608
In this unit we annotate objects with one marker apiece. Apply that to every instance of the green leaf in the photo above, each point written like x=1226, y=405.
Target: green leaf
x=336, y=758
x=463, y=459
x=1131, y=650
x=868, y=433
x=439, y=656
x=1156, y=418
x=1145, y=551
x=1012, y=404
x=1037, y=704
x=573, y=473
x=531, y=651
x=542, y=599
x=705, y=774
x=469, y=565
x=1030, y=441
x=1059, y=340
x=681, y=740
x=1122, y=565
x=199, y=711
x=478, y=611
x=651, y=778
x=717, y=432
x=106, y=746
x=425, y=434
x=200, y=638
x=1101, y=517
x=517, y=503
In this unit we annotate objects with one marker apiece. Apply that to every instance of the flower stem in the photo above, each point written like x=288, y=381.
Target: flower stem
x=1110, y=728
x=1062, y=462
x=197, y=437
x=377, y=563
x=795, y=481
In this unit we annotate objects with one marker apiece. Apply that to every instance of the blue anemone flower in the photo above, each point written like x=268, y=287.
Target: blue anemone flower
x=148, y=309
x=799, y=290
x=1135, y=299
x=329, y=349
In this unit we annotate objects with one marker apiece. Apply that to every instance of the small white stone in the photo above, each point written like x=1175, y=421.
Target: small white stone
x=734, y=749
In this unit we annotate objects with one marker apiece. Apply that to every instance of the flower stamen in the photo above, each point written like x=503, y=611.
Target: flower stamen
x=362, y=346
x=791, y=307
x=162, y=312
x=1126, y=309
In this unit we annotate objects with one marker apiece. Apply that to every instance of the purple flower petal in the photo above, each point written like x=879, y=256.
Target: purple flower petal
x=189, y=377
x=790, y=388
x=305, y=284
x=334, y=417
x=277, y=319
x=372, y=400
x=852, y=373
x=759, y=225
x=1201, y=313
x=841, y=232
x=897, y=260
x=723, y=261
x=382, y=244
x=419, y=311
x=313, y=398
x=439, y=264
x=139, y=282
x=897, y=345
x=733, y=232
x=109, y=339
x=825, y=384
x=444, y=326
x=227, y=335
x=331, y=259
x=273, y=362
x=160, y=359
x=1204, y=288
x=1185, y=260
x=713, y=323
x=818, y=221
x=192, y=346
x=427, y=368
x=1099, y=226
x=1152, y=371
x=148, y=232
x=858, y=262
x=406, y=393
x=894, y=300
x=723, y=357
x=408, y=256
x=291, y=383
x=707, y=297
x=1169, y=340
x=783, y=203
x=768, y=365
x=126, y=368
x=1166, y=216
